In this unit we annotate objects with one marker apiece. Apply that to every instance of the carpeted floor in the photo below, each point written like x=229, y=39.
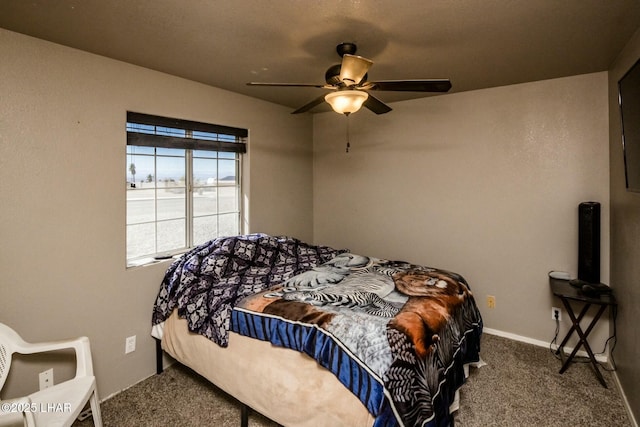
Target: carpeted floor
x=519, y=386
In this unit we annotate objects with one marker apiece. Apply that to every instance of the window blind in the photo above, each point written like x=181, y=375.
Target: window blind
x=156, y=131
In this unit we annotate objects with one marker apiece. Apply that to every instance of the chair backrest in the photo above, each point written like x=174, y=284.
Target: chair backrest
x=5, y=364
x=8, y=339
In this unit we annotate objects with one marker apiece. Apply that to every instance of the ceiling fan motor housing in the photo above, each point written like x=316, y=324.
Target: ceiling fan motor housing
x=349, y=48
x=332, y=76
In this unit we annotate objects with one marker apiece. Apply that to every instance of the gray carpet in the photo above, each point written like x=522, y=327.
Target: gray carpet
x=519, y=386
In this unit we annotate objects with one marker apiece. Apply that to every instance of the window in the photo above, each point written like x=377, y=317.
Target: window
x=183, y=184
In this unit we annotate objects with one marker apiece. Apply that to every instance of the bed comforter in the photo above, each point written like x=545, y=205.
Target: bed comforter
x=396, y=334
x=205, y=282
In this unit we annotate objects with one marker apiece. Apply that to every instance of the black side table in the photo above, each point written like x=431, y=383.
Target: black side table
x=567, y=293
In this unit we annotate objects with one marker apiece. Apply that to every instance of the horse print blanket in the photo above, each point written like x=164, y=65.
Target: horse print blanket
x=396, y=334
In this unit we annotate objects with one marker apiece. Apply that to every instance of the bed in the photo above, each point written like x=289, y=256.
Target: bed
x=309, y=335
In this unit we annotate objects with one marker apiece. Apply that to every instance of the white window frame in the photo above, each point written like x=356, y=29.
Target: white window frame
x=154, y=134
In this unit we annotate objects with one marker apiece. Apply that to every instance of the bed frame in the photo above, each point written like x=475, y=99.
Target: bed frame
x=244, y=409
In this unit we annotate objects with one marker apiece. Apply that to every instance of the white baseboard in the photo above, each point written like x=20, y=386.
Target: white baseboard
x=599, y=357
x=627, y=406
x=102, y=400
x=164, y=366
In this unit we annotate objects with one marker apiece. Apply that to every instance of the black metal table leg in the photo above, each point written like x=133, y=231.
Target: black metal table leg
x=244, y=415
x=159, y=367
x=582, y=341
x=574, y=321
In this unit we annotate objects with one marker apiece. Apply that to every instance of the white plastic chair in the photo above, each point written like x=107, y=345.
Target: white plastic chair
x=60, y=404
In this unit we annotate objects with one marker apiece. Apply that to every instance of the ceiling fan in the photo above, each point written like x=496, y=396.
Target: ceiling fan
x=350, y=88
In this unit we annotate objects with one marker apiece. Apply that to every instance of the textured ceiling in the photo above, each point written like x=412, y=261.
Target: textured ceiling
x=475, y=43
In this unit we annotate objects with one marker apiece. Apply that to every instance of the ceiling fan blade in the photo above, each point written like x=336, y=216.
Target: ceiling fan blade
x=289, y=85
x=353, y=69
x=431, y=85
x=375, y=105
x=319, y=100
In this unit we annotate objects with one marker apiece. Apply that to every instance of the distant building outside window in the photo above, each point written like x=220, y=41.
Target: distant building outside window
x=183, y=182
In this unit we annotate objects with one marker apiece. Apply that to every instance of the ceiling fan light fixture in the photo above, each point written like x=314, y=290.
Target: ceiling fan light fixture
x=346, y=101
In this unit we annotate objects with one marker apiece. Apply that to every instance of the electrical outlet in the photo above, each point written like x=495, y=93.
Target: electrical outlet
x=556, y=313
x=130, y=344
x=46, y=379
x=491, y=301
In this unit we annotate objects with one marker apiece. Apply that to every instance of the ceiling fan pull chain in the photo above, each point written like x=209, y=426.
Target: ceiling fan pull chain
x=348, y=144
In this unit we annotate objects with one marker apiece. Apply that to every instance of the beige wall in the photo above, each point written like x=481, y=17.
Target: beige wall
x=62, y=214
x=625, y=240
x=485, y=183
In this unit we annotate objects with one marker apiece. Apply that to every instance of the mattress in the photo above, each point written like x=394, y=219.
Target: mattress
x=285, y=385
